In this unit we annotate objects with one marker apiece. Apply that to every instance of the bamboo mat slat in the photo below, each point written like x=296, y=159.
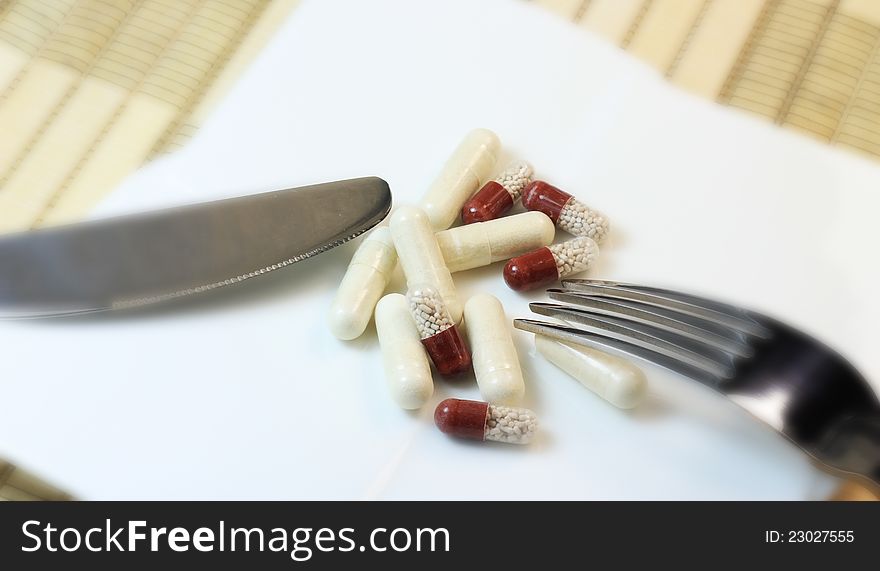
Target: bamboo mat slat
x=809, y=65
x=91, y=89
x=18, y=485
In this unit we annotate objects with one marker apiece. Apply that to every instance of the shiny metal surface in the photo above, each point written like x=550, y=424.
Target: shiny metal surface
x=790, y=381
x=654, y=316
x=711, y=312
x=146, y=258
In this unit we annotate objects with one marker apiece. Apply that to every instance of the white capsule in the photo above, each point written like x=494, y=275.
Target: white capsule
x=613, y=378
x=483, y=243
x=464, y=172
x=495, y=360
x=407, y=371
x=420, y=256
x=362, y=285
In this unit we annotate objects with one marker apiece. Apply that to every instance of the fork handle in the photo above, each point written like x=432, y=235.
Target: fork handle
x=853, y=446
x=852, y=491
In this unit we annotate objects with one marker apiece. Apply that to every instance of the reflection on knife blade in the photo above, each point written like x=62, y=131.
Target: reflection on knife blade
x=147, y=258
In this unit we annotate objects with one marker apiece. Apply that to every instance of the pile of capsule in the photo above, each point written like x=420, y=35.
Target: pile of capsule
x=425, y=324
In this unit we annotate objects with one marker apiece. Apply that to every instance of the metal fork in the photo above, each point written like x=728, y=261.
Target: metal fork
x=794, y=383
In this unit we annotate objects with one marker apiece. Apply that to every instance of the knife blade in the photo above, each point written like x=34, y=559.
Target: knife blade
x=146, y=258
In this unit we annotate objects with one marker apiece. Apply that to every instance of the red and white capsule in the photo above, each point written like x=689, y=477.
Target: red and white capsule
x=438, y=332
x=566, y=211
x=499, y=195
x=478, y=420
x=550, y=263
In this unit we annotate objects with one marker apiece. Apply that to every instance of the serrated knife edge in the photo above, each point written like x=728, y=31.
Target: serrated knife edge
x=129, y=304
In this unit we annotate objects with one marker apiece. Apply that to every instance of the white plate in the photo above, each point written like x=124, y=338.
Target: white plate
x=251, y=397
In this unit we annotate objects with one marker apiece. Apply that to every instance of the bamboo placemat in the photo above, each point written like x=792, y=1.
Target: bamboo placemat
x=18, y=485
x=809, y=65
x=91, y=89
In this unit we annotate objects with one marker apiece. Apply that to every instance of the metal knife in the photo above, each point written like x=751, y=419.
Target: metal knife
x=146, y=258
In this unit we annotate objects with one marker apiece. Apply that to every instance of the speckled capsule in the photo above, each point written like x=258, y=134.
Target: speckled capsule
x=362, y=285
x=438, y=332
x=546, y=265
x=407, y=371
x=613, y=378
x=483, y=243
x=477, y=420
x=499, y=195
x=567, y=212
x=496, y=363
x=469, y=166
x=420, y=256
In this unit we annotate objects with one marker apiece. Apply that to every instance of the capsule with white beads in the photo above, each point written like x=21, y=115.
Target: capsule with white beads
x=566, y=211
x=546, y=265
x=496, y=363
x=407, y=370
x=438, y=331
x=611, y=377
x=498, y=196
x=362, y=285
x=477, y=420
x=420, y=256
x=484, y=243
x=469, y=166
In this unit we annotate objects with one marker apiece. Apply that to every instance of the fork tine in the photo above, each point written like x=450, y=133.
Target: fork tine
x=575, y=336
x=698, y=355
x=669, y=321
x=694, y=352
x=713, y=325
x=713, y=304
x=690, y=305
